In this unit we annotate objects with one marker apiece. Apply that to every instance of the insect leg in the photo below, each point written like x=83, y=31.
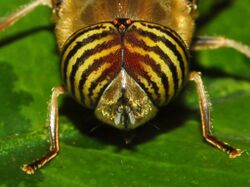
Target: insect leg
x=206, y=120
x=54, y=133
x=11, y=19
x=211, y=42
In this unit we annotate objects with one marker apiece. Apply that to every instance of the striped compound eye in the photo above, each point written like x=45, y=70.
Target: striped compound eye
x=124, y=69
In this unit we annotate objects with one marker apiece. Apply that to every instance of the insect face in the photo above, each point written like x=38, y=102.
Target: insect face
x=124, y=69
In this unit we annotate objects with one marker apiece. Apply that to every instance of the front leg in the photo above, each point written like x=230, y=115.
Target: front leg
x=54, y=133
x=206, y=121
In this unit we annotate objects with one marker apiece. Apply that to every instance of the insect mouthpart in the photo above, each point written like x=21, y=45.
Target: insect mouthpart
x=124, y=116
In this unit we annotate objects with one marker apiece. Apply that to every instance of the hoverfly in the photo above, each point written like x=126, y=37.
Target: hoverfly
x=125, y=59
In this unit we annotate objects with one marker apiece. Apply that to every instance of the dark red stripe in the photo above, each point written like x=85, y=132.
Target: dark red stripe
x=80, y=61
x=168, y=43
x=133, y=67
x=108, y=74
x=80, y=45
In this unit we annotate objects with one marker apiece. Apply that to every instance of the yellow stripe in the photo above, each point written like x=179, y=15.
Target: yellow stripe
x=81, y=51
x=168, y=53
x=161, y=34
x=98, y=88
x=84, y=36
x=157, y=59
x=89, y=61
x=155, y=78
x=92, y=78
x=147, y=85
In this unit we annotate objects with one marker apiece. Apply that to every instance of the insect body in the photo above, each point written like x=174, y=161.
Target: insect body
x=124, y=59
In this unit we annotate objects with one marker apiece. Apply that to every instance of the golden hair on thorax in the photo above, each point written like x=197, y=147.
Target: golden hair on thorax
x=77, y=14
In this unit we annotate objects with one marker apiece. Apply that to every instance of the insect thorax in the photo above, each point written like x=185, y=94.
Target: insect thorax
x=124, y=69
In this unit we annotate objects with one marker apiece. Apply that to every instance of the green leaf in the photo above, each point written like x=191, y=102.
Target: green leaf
x=169, y=151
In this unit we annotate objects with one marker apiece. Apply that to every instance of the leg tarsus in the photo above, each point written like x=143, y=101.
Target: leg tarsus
x=206, y=121
x=32, y=167
x=54, y=133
